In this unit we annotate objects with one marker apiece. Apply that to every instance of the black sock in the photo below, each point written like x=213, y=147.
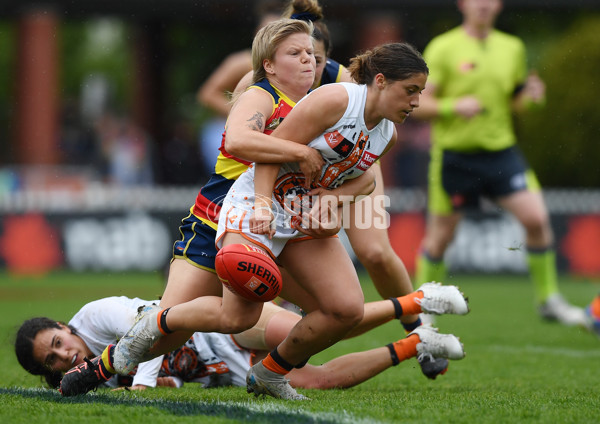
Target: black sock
x=280, y=361
x=412, y=325
x=163, y=321
x=397, y=307
x=393, y=354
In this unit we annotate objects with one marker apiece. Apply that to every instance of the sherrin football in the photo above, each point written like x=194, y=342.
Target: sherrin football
x=249, y=272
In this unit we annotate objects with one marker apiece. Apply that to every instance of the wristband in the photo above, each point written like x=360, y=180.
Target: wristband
x=446, y=107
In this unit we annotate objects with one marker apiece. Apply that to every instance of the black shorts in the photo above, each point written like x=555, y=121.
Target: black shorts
x=468, y=176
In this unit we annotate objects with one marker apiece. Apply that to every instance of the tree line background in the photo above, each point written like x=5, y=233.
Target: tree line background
x=563, y=46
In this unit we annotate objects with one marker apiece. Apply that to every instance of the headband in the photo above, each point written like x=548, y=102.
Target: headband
x=305, y=16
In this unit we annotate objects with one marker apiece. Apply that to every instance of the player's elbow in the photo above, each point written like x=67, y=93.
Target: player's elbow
x=370, y=188
x=234, y=144
x=204, y=96
x=369, y=182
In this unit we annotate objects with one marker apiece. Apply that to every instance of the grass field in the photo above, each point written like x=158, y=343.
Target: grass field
x=517, y=368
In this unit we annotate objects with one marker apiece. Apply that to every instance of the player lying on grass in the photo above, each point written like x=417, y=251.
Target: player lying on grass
x=49, y=348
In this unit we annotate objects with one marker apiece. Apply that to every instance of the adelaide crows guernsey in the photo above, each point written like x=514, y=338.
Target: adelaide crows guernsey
x=332, y=72
x=228, y=168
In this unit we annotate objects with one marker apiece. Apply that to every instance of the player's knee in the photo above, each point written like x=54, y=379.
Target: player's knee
x=536, y=224
x=347, y=314
x=437, y=246
x=373, y=255
x=231, y=324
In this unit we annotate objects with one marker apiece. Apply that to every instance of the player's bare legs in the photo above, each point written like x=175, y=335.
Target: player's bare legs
x=355, y=368
x=230, y=315
x=529, y=209
x=186, y=282
x=337, y=291
x=372, y=246
x=340, y=308
x=439, y=234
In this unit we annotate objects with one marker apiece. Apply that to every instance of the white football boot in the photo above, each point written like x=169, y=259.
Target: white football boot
x=134, y=345
x=261, y=381
x=439, y=299
x=436, y=345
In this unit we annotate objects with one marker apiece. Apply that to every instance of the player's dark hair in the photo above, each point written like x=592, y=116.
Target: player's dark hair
x=396, y=61
x=24, y=348
x=321, y=33
x=303, y=9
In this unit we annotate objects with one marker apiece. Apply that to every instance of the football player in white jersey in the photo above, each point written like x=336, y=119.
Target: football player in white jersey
x=49, y=348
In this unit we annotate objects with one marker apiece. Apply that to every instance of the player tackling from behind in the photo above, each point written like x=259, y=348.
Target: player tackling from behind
x=391, y=78
x=351, y=126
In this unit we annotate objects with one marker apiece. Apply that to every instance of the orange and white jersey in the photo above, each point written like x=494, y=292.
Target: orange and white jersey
x=348, y=148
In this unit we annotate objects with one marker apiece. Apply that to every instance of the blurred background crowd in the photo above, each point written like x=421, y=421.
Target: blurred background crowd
x=109, y=89
x=106, y=92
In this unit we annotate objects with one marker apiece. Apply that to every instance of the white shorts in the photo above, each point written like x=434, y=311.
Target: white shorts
x=237, y=210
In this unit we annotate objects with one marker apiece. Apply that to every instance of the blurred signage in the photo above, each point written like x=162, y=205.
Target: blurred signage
x=34, y=243
x=491, y=243
x=107, y=229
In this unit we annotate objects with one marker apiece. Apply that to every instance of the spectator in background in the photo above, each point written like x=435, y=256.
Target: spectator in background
x=182, y=164
x=126, y=151
x=478, y=78
x=77, y=141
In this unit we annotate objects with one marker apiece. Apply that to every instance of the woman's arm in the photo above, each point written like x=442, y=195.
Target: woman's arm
x=316, y=112
x=325, y=217
x=245, y=137
x=432, y=107
x=313, y=115
x=531, y=96
x=147, y=373
x=214, y=92
x=264, y=180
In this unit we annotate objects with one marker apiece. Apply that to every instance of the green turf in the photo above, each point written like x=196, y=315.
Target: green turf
x=517, y=369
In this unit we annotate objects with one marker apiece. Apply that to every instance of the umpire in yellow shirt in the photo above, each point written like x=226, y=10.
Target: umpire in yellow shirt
x=478, y=78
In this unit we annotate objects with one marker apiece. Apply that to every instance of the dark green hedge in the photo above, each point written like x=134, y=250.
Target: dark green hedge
x=562, y=141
